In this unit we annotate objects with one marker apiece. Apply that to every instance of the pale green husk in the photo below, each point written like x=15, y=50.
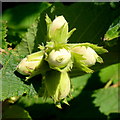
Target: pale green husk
x=57, y=85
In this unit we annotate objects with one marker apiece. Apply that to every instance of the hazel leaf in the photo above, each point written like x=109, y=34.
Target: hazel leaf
x=113, y=31
x=12, y=85
x=28, y=41
x=107, y=100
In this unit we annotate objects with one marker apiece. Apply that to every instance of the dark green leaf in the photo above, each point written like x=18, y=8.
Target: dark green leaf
x=16, y=112
x=23, y=16
x=91, y=21
x=27, y=101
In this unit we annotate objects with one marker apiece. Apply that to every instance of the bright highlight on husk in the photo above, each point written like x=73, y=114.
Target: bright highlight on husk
x=88, y=53
x=59, y=58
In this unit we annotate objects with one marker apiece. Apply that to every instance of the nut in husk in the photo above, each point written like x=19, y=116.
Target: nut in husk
x=57, y=85
x=58, y=30
x=88, y=53
x=59, y=58
x=32, y=65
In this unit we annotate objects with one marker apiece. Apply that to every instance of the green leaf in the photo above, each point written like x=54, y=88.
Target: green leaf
x=15, y=112
x=38, y=107
x=26, y=101
x=107, y=100
x=26, y=46
x=110, y=73
x=3, y=34
x=78, y=84
x=11, y=84
x=113, y=31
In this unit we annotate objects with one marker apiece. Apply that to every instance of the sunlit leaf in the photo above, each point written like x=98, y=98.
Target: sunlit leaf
x=110, y=73
x=107, y=100
x=113, y=31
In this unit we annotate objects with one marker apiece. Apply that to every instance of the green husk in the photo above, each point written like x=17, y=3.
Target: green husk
x=57, y=85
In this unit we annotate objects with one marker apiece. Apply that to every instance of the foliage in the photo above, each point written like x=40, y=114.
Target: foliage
x=3, y=33
x=28, y=40
x=11, y=84
x=114, y=30
x=107, y=96
x=94, y=23
x=16, y=112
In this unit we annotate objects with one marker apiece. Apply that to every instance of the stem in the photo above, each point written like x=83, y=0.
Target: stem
x=108, y=84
